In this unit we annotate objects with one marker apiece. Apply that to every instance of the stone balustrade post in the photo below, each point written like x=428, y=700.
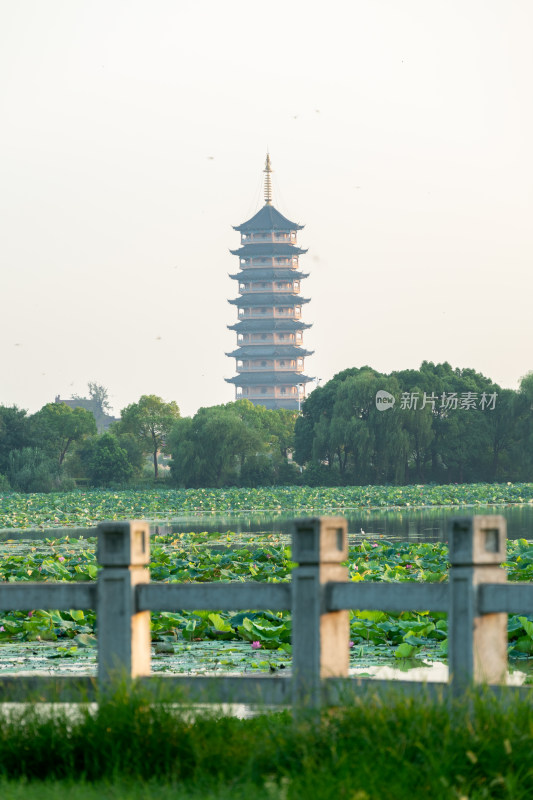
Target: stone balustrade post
x=477, y=643
x=320, y=639
x=123, y=633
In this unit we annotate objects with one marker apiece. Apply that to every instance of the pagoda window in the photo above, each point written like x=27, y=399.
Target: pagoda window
x=283, y=390
x=263, y=363
x=263, y=390
x=298, y=337
x=282, y=336
x=282, y=363
x=263, y=336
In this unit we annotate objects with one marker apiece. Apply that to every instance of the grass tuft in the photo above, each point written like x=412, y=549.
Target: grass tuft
x=387, y=747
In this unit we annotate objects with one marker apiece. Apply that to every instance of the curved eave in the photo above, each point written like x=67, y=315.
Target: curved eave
x=254, y=299
x=269, y=325
x=273, y=273
x=270, y=351
x=269, y=379
x=268, y=250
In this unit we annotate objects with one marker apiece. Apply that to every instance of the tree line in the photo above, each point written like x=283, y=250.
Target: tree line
x=445, y=426
x=432, y=425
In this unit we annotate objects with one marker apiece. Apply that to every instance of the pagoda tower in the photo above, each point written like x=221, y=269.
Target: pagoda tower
x=269, y=354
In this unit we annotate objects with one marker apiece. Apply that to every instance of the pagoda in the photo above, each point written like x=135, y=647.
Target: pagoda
x=269, y=354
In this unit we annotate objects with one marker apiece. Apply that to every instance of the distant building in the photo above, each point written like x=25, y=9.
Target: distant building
x=103, y=420
x=269, y=354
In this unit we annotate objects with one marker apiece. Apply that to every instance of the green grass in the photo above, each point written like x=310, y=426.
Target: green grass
x=130, y=790
x=373, y=748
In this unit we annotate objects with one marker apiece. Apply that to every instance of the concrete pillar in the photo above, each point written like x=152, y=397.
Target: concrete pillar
x=320, y=640
x=123, y=634
x=477, y=644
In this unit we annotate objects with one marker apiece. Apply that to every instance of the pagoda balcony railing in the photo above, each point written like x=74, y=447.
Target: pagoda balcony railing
x=262, y=370
x=268, y=394
x=269, y=313
x=277, y=395
x=270, y=368
x=271, y=287
x=270, y=340
x=246, y=238
x=262, y=262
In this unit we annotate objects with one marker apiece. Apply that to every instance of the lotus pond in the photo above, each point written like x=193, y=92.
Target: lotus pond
x=85, y=508
x=396, y=534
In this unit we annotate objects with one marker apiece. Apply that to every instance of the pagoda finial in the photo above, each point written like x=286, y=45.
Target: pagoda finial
x=268, y=181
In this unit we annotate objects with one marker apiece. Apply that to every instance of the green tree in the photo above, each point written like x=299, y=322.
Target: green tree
x=237, y=443
x=213, y=447
x=32, y=470
x=107, y=462
x=15, y=433
x=57, y=427
x=150, y=421
x=524, y=428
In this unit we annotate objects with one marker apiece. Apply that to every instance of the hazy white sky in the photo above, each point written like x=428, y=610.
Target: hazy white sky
x=133, y=136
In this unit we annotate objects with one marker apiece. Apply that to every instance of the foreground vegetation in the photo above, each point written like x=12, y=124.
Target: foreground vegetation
x=371, y=748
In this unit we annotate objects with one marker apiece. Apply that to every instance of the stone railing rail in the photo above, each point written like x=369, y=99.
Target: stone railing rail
x=477, y=599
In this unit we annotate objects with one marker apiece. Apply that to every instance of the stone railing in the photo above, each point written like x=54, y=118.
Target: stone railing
x=477, y=599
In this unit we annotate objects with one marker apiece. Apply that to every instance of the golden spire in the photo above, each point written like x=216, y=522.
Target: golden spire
x=268, y=181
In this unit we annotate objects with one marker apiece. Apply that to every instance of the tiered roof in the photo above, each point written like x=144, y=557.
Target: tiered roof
x=269, y=299
x=270, y=351
x=258, y=325
x=267, y=219
x=270, y=249
x=268, y=274
x=263, y=378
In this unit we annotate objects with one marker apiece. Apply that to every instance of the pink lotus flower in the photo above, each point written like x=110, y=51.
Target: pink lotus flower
x=256, y=645
x=61, y=558
x=352, y=644
x=2, y=628
x=30, y=613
